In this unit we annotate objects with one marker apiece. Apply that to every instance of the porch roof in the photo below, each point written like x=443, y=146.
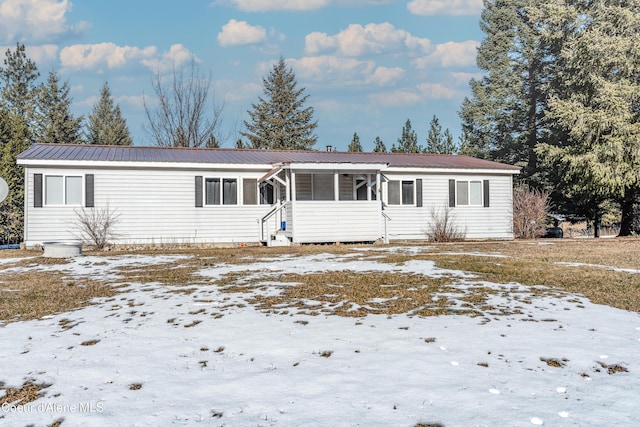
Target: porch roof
x=40, y=153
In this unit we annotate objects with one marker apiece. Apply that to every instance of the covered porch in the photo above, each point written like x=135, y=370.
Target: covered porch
x=320, y=203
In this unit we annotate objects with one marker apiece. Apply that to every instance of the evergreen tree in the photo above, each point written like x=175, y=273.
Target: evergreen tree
x=14, y=139
x=17, y=116
x=437, y=141
x=598, y=107
x=504, y=119
x=212, y=142
x=106, y=125
x=17, y=79
x=408, y=142
x=379, y=146
x=55, y=123
x=355, y=145
x=280, y=120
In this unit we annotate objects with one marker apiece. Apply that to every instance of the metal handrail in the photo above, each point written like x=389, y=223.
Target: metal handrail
x=271, y=213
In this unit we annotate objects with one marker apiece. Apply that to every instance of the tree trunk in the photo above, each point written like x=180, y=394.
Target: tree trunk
x=597, y=218
x=630, y=223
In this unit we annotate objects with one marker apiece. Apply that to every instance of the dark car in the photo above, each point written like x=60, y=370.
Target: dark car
x=554, y=233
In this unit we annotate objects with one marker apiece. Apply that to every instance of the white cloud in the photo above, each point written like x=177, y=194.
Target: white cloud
x=236, y=33
x=451, y=54
x=90, y=56
x=176, y=56
x=36, y=20
x=271, y=5
x=89, y=102
x=445, y=7
x=136, y=101
x=42, y=54
x=327, y=68
x=435, y=91
x=359, y=40
x=384, y=76
x=233, y=91
x=112, y=56
x=398, y=98
x=464, y=78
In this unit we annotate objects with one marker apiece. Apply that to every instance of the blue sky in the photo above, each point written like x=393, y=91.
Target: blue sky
x=367, y=65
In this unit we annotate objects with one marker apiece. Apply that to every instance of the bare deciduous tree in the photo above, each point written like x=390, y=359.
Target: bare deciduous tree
x=530, y=211
x=187, y=114
x=95, y=226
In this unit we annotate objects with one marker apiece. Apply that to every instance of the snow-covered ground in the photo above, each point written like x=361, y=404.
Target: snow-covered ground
x=154, y=357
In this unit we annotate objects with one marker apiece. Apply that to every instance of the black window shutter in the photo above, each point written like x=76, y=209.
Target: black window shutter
x=419, y=193
x=198, y=191
x=452, y=193
x=37, y=190
x=485, y=190
x=88, y=191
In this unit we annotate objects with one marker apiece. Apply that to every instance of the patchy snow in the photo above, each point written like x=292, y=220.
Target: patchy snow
x=606, y=267
x=152, y=356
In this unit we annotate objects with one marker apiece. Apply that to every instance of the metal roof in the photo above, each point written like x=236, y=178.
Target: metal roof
x=81, y=152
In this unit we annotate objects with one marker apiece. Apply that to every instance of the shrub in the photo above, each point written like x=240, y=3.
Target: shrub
x=443, y=227
x=530, y=211
x=95, y=226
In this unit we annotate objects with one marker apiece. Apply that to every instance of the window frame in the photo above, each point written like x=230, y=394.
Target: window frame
x=221, y=199
x=474, y=193
x=65, y=194
x=399, y=184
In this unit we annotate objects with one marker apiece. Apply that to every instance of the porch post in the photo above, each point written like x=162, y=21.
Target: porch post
x=293, y=186
x=336, y=186
x=287, y=197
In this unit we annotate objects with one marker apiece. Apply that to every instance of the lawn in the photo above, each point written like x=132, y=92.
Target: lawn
x=477, y=333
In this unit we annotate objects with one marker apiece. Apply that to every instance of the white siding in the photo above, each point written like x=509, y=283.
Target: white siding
x=157, y=205
x=355, y=221
x=477, y=222
x=154, y=206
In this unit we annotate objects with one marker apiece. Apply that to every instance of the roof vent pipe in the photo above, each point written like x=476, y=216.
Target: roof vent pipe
x=329, y=148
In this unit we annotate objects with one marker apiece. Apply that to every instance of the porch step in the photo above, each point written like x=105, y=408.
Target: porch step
x=279, y=240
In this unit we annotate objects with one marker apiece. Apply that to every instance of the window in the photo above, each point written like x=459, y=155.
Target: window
x=63, y=190
x=266, y=193
x=318, y=186
x=221, y=191
x=249, y=191
x=323, y=186
x=73, y=193
x=400, y=192
x=407, y=192
x=469, y=193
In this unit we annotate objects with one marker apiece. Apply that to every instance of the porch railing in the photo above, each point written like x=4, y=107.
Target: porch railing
x=277, y=209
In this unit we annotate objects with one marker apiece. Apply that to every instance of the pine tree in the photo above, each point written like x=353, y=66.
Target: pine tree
x=435, y=138
x=598, y=108
x=17, y=117
x=280, y=120
x=106, y=125
x=408, y=142
x=378, y=146
x=355, y=145
x=439, y=142
x=56, y=124
x=17, y=79
x=14, y=139
x=504, y=118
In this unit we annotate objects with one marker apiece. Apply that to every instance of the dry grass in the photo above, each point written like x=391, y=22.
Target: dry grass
x=40, y=292
x=23, y=395
x=35, y=294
